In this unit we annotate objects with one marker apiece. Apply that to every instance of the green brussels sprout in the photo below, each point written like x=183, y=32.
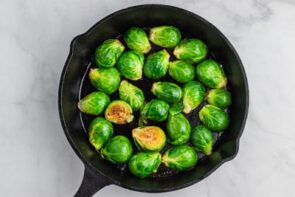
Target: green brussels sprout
x=94, y=103
x=156, y=65
x=143, y=164
x=214, y=118
x=167, y=91
x=202, y=139
x=193, y=50
x=106, y=80
x=108, y=53
x=119, y=112
x=149, y=138
x=176, y=108
x=165, y=36
x=136, y=39
x=180, y=158
x=181, y=71
x=211, y=74
x=193, y=94
x=219, y=98
x=117, y=150
x=156, y=110
x=178, y=129
x=131, y=94
x=130, y=65
x=100, y=131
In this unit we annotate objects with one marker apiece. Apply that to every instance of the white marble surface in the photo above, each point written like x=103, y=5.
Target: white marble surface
x=36, y=159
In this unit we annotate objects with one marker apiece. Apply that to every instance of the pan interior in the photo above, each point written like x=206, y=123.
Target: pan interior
x=145, y=85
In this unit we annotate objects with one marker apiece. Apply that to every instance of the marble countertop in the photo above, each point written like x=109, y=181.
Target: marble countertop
x=37, y=160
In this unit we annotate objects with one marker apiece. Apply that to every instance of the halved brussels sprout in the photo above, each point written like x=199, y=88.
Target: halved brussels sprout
x=219, y=97
x=181, y=71
x=106, y=80
x=117, y=150
x=143, y=164
x=214, y=118
x=202, y=139
x=100, y=131
x=156, y=65
x=193, y=94
x=178, y=129
x=108, y=53
x=94, y=103
x=131, y=94
x=167, y=91
x=193, y=50
x=119, y=112
x=130, y=65
x=149, y=138
x=211, y=74
x=180, y=158
x=136, y=39
x=165, y=36
x=156, y=110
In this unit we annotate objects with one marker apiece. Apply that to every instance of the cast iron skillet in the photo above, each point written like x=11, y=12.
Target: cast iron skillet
x=98, y=172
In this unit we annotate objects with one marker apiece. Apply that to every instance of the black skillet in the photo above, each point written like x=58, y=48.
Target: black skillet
x=74, y=85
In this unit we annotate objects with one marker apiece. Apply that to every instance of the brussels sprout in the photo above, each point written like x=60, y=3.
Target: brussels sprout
x=117, y=150
x=137, y=40
x=176, y=108
x=106, y=80
x=193, y=94
x=119, y=112
x=131, y=94
x=130, y=65
x=219, y=97
x=178, y=129
x=165, y=36
x=181, y=71
x=211, y=74
x=156, y=65
x=94, y=103
x=180, y=158
x=156, y=110
x=149, y=138
x=108, y=53
x=193, y=50
x=167, y=91
x=100, y=131
x=214, y=118
x=202, y=139
x=143, y=164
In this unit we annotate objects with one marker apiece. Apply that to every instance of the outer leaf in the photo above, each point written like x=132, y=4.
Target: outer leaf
x=193, y=95
x=156, y=65
x=178, y=129
x=108, y=53
x=106, y=80
x=165, y=36
x=130, y=65
x=193, y=50
x=137, y=40
x=180, y=158
x=94, y=103
x=214, y=118
x=131, y=94
x=117, y=150
x=100, y=131
x=143, y=164
x=202, y=139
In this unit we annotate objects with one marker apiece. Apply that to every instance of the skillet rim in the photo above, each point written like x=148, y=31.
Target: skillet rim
x=74, y=146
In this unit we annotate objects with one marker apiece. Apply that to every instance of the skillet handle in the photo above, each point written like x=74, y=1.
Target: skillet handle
x=91, y=183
